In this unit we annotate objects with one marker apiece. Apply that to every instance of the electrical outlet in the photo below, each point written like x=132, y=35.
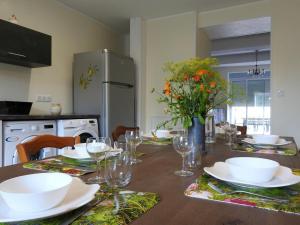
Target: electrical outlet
x=44, y=98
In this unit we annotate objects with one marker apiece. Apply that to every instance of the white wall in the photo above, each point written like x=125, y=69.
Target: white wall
x=138, y=53
x=71, y=32
x=204, y=44
x=167, y=39
x=285, y=67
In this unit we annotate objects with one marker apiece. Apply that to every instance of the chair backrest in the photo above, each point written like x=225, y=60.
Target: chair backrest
x=32, y=147
x=242, y=129
x=120, y=130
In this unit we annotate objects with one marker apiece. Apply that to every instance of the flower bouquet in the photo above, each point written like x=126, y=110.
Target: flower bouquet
x=193, y=88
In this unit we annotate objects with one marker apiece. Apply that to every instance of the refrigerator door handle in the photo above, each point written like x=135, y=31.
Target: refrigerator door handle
x=118, y=84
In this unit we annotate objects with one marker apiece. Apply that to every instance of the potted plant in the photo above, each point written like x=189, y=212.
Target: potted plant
x=192, y=89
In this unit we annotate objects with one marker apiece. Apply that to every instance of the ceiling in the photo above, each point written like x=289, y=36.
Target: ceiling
x=239, y=28
x=116, y=13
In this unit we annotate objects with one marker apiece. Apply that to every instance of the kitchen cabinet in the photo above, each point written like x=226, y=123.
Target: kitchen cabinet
x=22, y=46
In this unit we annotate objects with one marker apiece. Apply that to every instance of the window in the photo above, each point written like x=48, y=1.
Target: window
x=252, y=110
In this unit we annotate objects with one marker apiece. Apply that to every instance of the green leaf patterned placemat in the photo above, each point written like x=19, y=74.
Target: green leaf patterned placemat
x=63, y=164
x=157, y=141
x=290, y=149
x=74, y=167
x=201, y=189
x=131, y=206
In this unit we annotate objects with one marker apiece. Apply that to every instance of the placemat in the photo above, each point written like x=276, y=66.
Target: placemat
x=63, y=164
x=132, y=205
x=74, y=167
x=201, y=189
x=290, y=149
x=157, y=141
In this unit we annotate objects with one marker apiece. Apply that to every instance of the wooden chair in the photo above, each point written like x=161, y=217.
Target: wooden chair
x=120, y=130
x=32, y=147
x=242, y=129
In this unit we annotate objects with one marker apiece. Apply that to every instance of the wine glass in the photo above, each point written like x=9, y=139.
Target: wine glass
x=97, y=147
x=118, y=167
x=133, y=138
x=118, y=170
x=183, y=147
x=230, y=133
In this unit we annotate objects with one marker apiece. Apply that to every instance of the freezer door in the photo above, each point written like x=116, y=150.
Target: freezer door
x=119, y=68
x=88, y=70
x=120, y=106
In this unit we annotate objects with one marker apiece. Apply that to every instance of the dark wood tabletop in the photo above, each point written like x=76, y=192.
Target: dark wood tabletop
x=156, y=174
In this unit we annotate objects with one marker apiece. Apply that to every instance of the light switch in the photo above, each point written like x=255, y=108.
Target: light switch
x=44, y=98
x=280, y=93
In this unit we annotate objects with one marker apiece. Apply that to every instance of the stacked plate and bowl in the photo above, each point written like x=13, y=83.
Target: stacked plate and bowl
x=42, y=195
x=253, y=171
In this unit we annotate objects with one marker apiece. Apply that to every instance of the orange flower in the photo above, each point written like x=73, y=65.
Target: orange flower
x=196, y=78
x=178, y=97
x=212, y=84
x=167, y=89
x=202, y=72
x=210, y=73
x=208, y=91
x=185, y=77
x=201, y=87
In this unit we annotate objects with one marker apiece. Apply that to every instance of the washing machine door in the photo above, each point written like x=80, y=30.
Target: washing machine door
x=43, y=153
x=85, y=134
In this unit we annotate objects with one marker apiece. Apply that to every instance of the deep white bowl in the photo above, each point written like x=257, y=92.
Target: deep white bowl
x=162, y=133
x=265, y=139
x=252, y=169
x=35, y=192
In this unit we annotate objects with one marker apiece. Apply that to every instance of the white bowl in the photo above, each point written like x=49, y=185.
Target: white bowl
x=265, y=139
x=252, y=169
x=35, y=192
x=162, y=133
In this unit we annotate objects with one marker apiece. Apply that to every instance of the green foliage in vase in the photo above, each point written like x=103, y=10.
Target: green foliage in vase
x=192, y=89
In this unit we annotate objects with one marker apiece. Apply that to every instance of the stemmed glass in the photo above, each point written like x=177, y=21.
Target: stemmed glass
x=133, y=138
x=118, y=167
x=118, y=170
x=97, y=148
x=183, y=147
x=230, y=133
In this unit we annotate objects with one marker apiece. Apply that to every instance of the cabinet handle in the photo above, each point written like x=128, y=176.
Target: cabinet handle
x=17, y=54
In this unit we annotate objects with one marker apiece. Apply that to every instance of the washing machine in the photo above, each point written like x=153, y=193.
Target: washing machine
x=16, y=132
x=84, y=128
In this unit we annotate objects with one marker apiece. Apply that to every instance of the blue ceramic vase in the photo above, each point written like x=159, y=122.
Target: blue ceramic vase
x=196, y=133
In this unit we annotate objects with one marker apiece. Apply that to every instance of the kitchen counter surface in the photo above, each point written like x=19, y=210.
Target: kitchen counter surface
x=46, y=117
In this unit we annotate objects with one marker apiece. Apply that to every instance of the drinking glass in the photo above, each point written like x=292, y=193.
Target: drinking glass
x=118, y=170
x=183, y=147
x=118, y=167
x=133, y=139
x=97, y=147
x=230, y=133
x=210, y=130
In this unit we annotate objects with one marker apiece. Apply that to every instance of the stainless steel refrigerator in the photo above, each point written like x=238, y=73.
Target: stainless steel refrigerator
x=104, y=83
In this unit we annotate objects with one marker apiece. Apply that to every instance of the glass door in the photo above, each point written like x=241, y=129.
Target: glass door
x=252, y=110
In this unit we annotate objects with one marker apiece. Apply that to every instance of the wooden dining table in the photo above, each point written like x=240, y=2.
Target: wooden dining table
x=156, y=174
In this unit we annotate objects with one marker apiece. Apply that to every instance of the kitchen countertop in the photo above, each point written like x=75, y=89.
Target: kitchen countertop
x=46, y=117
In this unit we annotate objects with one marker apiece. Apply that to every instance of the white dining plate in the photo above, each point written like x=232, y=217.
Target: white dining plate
x=280, y=142
x=78, y=195
x=283, y=177
x=78, y=153
x=74, y=154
